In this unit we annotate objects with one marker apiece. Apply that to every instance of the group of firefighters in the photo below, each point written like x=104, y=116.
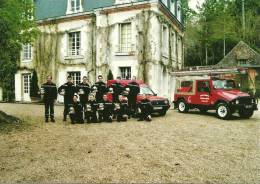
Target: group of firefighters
x=90, y=103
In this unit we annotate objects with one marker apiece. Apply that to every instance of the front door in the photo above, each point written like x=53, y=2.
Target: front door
x=26, y=80
x=203, y=93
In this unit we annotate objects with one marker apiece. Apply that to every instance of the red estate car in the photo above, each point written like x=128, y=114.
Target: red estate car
x=221, y=95
x=160, y=104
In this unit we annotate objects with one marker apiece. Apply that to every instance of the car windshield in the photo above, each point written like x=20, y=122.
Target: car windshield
x=146, y=91
x=224, y=84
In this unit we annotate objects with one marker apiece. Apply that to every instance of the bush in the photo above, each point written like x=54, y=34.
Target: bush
x=34, y=88
x=110, y=75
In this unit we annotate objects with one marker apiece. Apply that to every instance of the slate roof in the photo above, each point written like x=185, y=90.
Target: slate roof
x=45, y=9
x=241, y=51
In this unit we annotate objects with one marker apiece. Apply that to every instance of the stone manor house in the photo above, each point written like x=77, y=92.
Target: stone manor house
x=142, y=38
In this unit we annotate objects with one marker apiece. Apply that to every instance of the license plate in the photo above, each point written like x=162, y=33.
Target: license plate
x=248, y=106
x=157, y=108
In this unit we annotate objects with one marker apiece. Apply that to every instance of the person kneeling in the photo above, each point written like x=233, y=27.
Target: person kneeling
x=144, y=109
x=91, y=109
x=76, y=111
x=105, y=110
x=121, y=109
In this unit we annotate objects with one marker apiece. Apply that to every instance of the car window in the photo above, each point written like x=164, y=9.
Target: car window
x=146, y=91
x=203, y=86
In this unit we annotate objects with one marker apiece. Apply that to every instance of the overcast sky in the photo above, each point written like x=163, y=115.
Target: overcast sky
x=194, y=3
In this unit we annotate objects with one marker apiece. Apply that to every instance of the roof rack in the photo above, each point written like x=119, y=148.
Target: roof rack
x=208, y=71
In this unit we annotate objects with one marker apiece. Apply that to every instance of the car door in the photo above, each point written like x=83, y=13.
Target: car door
x=203, y=92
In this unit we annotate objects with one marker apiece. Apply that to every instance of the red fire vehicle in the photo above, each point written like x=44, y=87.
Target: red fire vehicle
x=160, y=104
x=206, y=94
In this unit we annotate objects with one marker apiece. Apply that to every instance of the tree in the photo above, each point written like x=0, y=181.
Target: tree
x=16, y=27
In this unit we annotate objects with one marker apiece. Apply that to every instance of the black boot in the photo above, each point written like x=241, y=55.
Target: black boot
x=52, y=120
x=46, y=120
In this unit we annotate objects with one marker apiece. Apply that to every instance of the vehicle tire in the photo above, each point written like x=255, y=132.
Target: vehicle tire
x=183, y=106
x=163, y=113
x=246, y=113
x=203, y=110
x=223, y=111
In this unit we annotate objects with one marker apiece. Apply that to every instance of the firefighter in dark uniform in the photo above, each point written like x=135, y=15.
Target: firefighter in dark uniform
x=126, y=94
x=105, y=110
x=49, y=92
x=76, y=111
x=83, y=90
x=117, y=89
x=91, y=109
x=121, y=109
x=144, y=109
x=100, y=87
x=132, y=97
x=67, y=90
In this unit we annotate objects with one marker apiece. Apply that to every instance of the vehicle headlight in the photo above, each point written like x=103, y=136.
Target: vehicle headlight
x=166, y=102
x=237, y=101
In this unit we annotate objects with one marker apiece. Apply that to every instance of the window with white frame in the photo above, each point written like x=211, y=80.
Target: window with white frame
x=172, y=6
x=165, y=40
x=74, y=44
x=74, y=6
x=76, y=77
x=125, y=37
x=179, y=12
x=125, y=72
x=26, y=83
x=27, y=52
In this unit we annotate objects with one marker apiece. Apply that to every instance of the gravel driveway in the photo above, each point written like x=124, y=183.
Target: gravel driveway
x=184, y=148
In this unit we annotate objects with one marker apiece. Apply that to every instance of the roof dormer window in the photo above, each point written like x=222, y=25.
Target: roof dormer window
x=74, y=6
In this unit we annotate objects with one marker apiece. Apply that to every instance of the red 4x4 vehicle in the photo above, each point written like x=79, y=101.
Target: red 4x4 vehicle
x=213, y=94
x=160, y=104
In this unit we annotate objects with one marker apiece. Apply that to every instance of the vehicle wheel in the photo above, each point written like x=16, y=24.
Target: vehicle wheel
x=203, y=110
x=246, y=113
x=163, y=113
x=223, y=111
x=183, y=106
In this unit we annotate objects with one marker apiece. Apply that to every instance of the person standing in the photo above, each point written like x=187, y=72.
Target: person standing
x=118, y=89
x=133, y=93
x=83, y=90
x=67, y=90
x=49, y=92
x=100, y=88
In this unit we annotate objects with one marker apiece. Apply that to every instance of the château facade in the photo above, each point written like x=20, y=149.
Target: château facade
x=142, y=38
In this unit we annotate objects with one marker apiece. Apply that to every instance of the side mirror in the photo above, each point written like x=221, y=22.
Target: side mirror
x=155, y=94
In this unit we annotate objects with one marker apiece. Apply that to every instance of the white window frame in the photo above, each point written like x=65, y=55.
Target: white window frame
x=75, y=9
x=126, y=47
x=173, y=44
x=26, y=83
x=172, y=6
x=76, y=76
x=27, y=53
x=125, y=71
x=179, y=11
x=74, y=49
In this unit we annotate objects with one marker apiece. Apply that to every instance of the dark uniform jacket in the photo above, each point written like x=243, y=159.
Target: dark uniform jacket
x=85, y=88
x=77, y=116
x=117, y=90
x=50, y=91
x=134, y=90
x=70, y=90
x=123, y=107
x=92, y=107
x=108, y=107
x=101, y=90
